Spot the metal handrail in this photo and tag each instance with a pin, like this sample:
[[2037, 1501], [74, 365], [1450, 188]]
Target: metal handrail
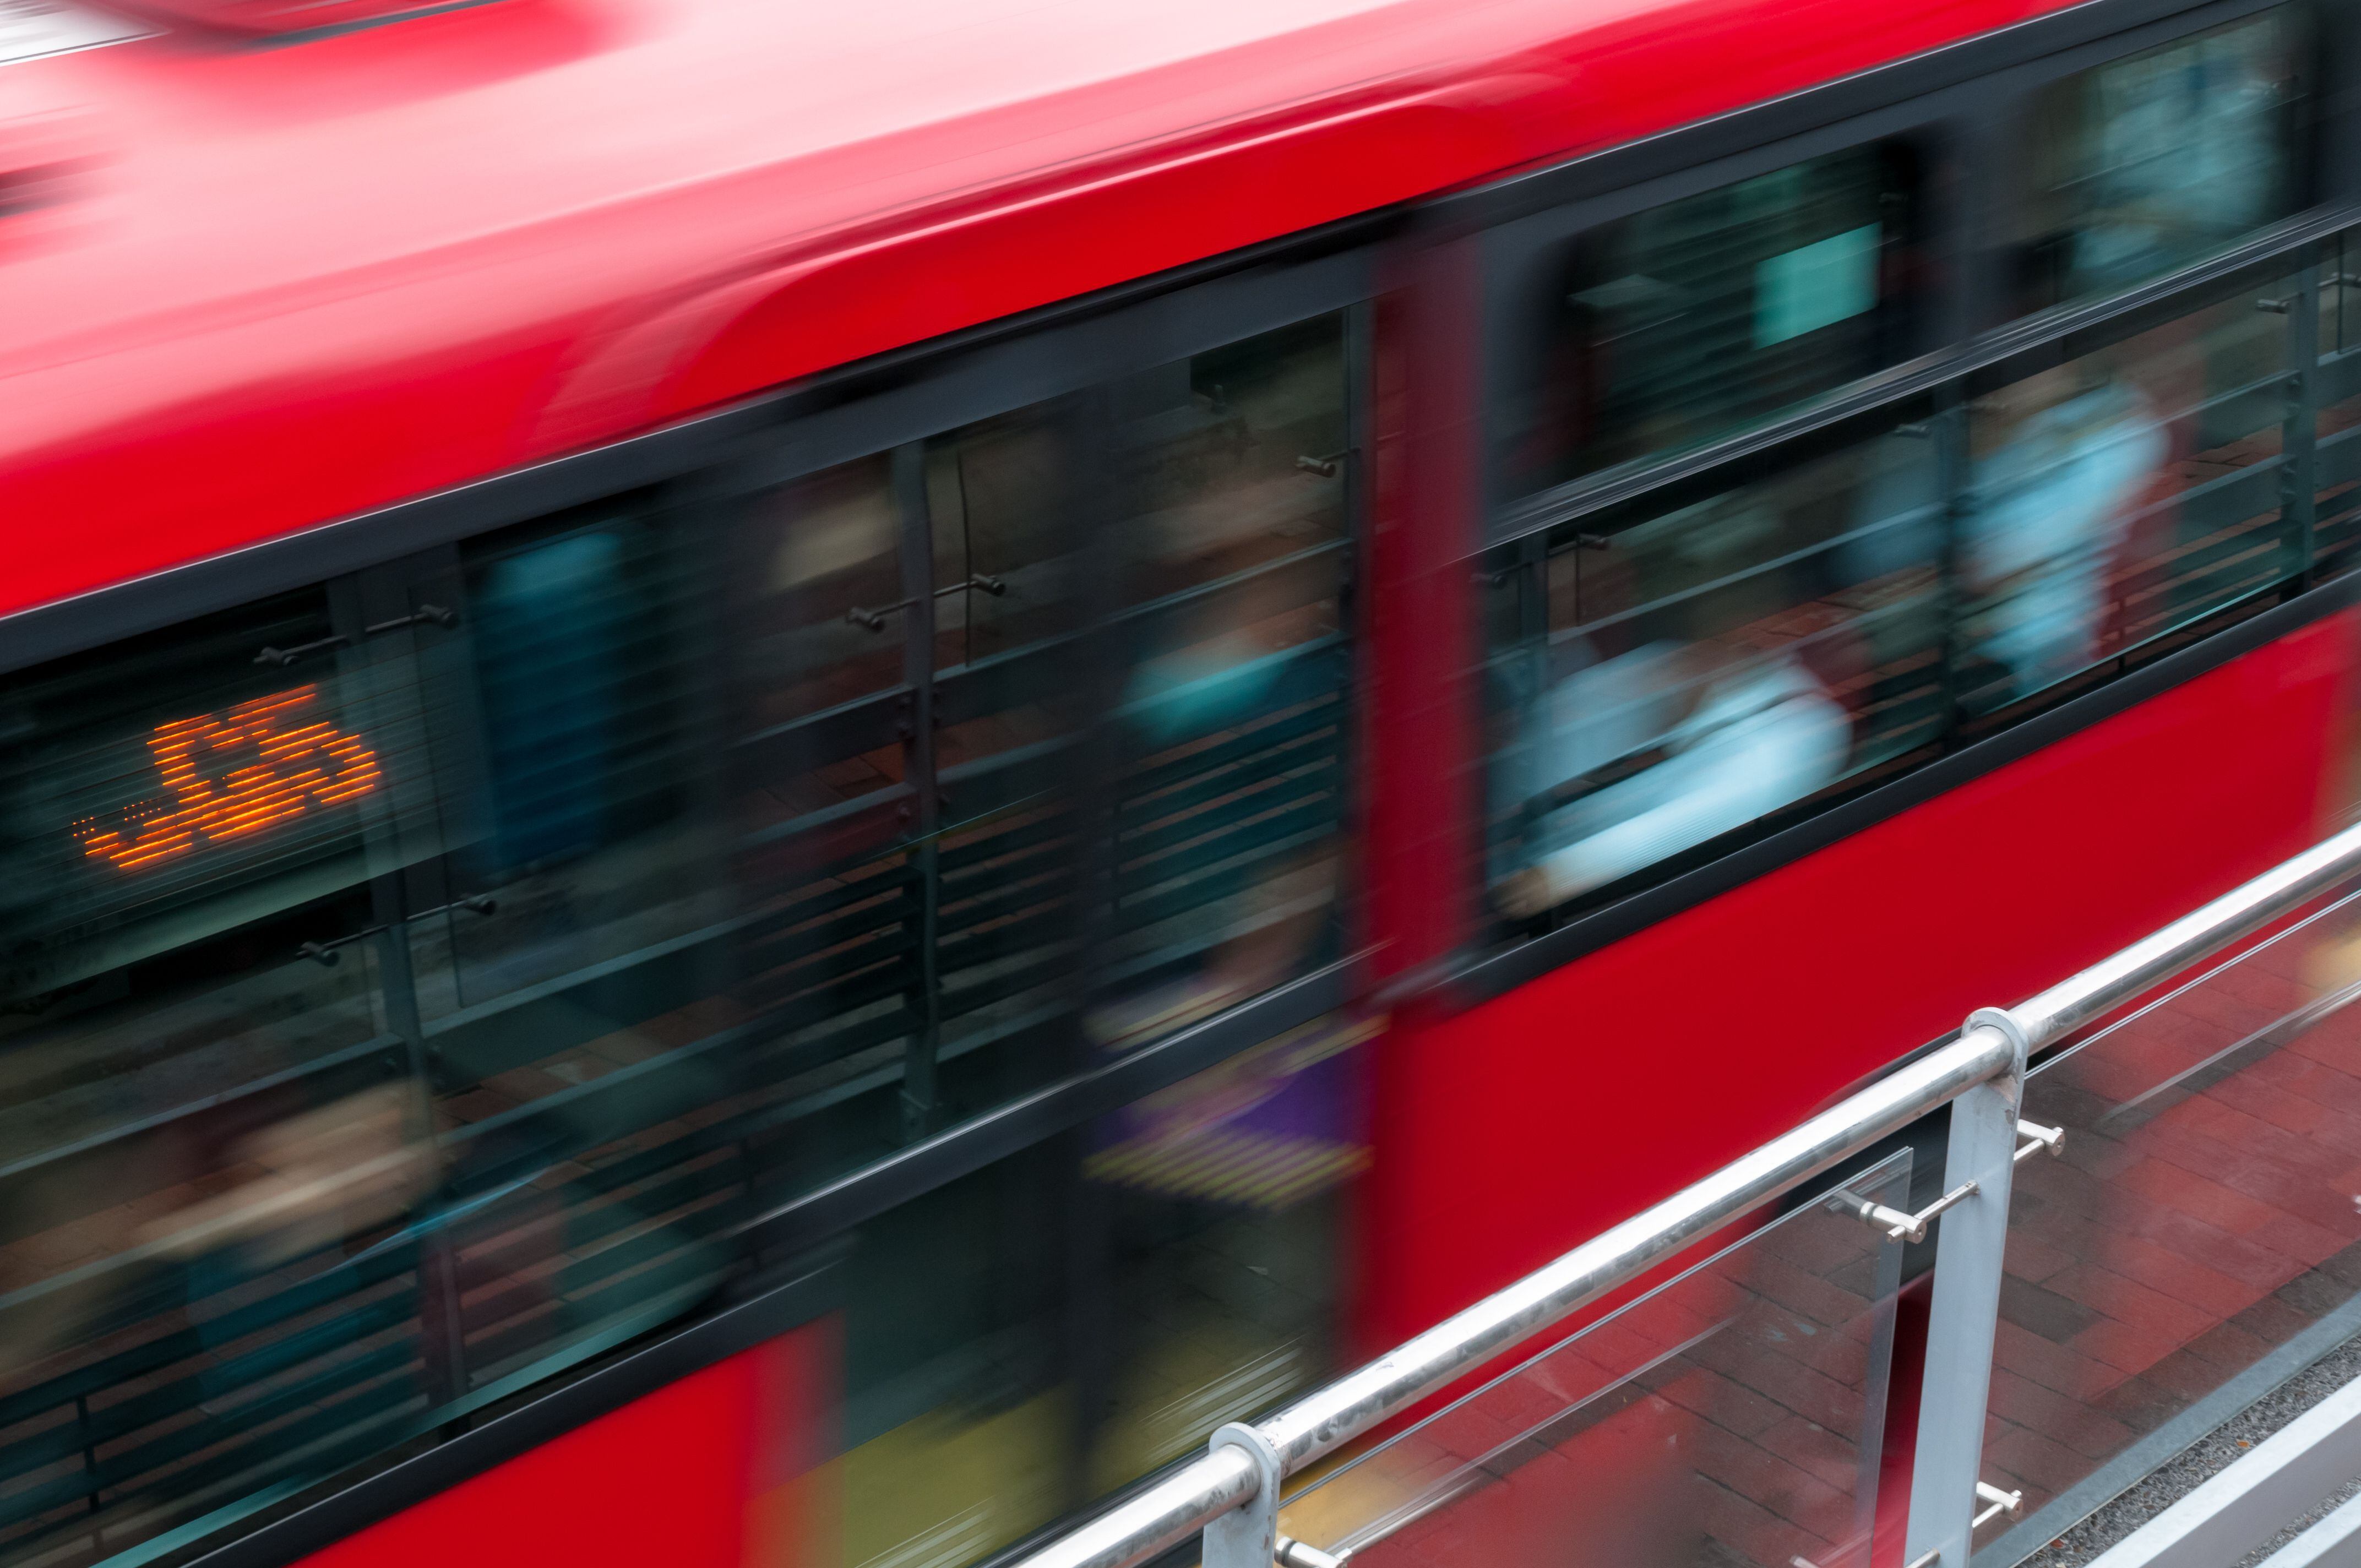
[[1991, 1046]]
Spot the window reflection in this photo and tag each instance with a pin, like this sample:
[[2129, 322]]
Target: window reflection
[[2152, 163]]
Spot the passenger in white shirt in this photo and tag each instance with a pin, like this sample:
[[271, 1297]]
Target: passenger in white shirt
[[1714, 739]]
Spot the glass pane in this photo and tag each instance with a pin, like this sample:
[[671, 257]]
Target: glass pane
[[1691, 320], [213, 1155], [1659, 677], [2336, 518], [554, 946], [579, 669], [2200, 1219], [818, 573], [2120, 494], [1734, 1414], [1228, 737], [1056, 1326], [1137, 680], [1013, 535], [1007, 534], [405, 1006], [2145, 164]]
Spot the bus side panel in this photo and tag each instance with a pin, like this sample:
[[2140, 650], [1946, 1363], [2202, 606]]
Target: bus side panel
[[723, 1469], [1517, 1129]]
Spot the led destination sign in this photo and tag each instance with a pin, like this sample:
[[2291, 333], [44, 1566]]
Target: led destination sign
[[229, 776]]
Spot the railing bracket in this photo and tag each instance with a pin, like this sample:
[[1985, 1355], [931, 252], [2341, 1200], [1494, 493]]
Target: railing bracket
[[1293, 1553], [2009, 1503], [1897, 1226], [2038, 1138]]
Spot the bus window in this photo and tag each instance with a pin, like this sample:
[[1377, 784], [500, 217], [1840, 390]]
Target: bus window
[[2119, 495], [581, 735], [1678, 667], [1686, 666], [1121, 612], [2131, 168], [212, 1150], [2337, 394], [1075, 1315], [1685, 322], [1229, 731]]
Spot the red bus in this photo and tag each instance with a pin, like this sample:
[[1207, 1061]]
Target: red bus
[[778, 785]]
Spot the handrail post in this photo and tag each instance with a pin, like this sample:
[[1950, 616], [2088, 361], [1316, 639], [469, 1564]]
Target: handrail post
[[1969, 1252], [1248, 1536]]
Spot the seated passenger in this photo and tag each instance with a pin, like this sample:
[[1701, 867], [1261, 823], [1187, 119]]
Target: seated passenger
[[1640, 757], [2045, 513]]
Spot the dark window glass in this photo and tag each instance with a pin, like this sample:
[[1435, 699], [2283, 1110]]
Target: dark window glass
[[1695, 319], [214, 1151], [1683, 667], [2337, 396], [563, 946], [408, 989], [1092, 1308], [2134, 168], [566, 740]]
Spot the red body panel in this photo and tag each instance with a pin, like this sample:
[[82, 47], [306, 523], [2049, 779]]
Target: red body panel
[[715, 1470], [1519, 1128], [306, 281]]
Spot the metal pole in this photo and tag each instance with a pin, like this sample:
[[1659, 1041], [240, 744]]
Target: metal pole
[[1968, 1249]]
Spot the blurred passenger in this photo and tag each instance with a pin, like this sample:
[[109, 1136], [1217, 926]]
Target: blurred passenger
[[1641, 756], [308, 1180], [2057, 475], [1262, 922], [1705, 717], [330, 1177]]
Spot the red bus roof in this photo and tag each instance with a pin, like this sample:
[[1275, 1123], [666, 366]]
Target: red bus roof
[[304, 280]]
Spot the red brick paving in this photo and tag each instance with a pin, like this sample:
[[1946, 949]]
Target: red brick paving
[[2198, 1236]]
